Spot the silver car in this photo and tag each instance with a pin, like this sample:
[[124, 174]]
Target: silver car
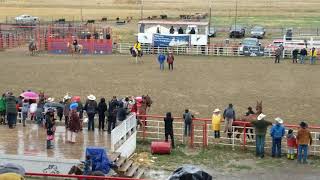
[[258, 32], [26, 19]]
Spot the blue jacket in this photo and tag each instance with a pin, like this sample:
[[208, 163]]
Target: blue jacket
[[161, 58], [277, 131]]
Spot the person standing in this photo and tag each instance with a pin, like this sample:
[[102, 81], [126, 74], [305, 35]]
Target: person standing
[[3, 109], [229, 116], [277, 55], [11, 110], [277, 132], [216, 123], [261, 126], [295, 53], [102, 108], [50, 126], [25, 110], [161, 59], [60, 111], [168, 128], [33, 110], [187, 117], [304, 138], [39, 112], [66, 110], [113, 111], [313, 56], [91, 109], [74, 123], [303, 55], [170, 60], [291, 144]]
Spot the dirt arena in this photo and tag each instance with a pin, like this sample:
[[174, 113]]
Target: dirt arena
[[291, 91]]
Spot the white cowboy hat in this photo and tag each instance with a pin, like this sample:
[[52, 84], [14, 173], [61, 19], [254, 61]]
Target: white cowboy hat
[[216, 110], [91, 97], [67, 97], [261, 116], [50, 99], [279, 120]]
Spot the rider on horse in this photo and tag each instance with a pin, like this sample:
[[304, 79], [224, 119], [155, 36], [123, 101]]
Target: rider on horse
[[137, 46], [75, 44]]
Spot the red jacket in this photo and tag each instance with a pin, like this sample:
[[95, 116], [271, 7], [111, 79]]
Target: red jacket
[[292, 142]]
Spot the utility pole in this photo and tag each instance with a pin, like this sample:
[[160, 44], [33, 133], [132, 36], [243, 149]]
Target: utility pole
[[141, 9], [210, 8], [236, 15]]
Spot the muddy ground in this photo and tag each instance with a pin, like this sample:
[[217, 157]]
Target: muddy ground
[[291, 91]]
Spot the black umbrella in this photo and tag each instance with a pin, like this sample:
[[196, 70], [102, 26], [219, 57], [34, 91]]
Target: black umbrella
[[189, 172], [53, 105]]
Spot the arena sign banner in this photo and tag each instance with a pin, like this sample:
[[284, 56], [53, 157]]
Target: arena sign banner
[[161, 40]]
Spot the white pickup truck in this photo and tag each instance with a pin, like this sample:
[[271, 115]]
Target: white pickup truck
[[26, 19]]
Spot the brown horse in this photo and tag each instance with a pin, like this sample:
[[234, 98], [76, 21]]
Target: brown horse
[[250, 118], [145, 105]]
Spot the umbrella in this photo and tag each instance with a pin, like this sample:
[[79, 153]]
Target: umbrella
[[190, 172], [30, 95], [76, 99], [12, 168], [53, 105]]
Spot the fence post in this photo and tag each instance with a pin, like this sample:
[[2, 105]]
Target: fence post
[[244, 135], [192, 135]]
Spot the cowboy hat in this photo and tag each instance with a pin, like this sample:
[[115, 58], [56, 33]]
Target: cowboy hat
[[216, 110], [279, 120], [261, 116], [91, 97], [50, 99], [67, 97]]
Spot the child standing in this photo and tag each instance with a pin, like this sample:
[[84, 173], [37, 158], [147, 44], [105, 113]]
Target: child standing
[[216, 121], [303, 139], [25, 110], [277, 132], [292, 144], [50, 125]]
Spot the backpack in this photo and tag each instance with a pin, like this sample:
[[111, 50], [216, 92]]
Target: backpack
[[188, 117], [229, 113]]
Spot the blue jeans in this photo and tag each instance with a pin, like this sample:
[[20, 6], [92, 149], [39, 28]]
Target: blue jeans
[[12, 119], [302, 58], [161, 66], [24, 117], [260, 140], [91, 122], [304, 148], [312, 60], [276, 147]]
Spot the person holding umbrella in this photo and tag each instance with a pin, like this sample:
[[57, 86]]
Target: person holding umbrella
[[74, 123]]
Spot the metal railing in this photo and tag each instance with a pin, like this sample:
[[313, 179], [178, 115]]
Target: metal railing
[[243, 134], [80, 177]]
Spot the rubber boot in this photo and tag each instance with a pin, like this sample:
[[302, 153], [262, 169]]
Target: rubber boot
[[292, 157], [288, 156]]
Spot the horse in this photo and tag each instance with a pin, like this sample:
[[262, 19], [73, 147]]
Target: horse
[[145, 106], [75, 50], [137, 54], [250, 118], [32, 48]]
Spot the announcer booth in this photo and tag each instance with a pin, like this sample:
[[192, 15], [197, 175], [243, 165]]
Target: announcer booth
[[173, 33]]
